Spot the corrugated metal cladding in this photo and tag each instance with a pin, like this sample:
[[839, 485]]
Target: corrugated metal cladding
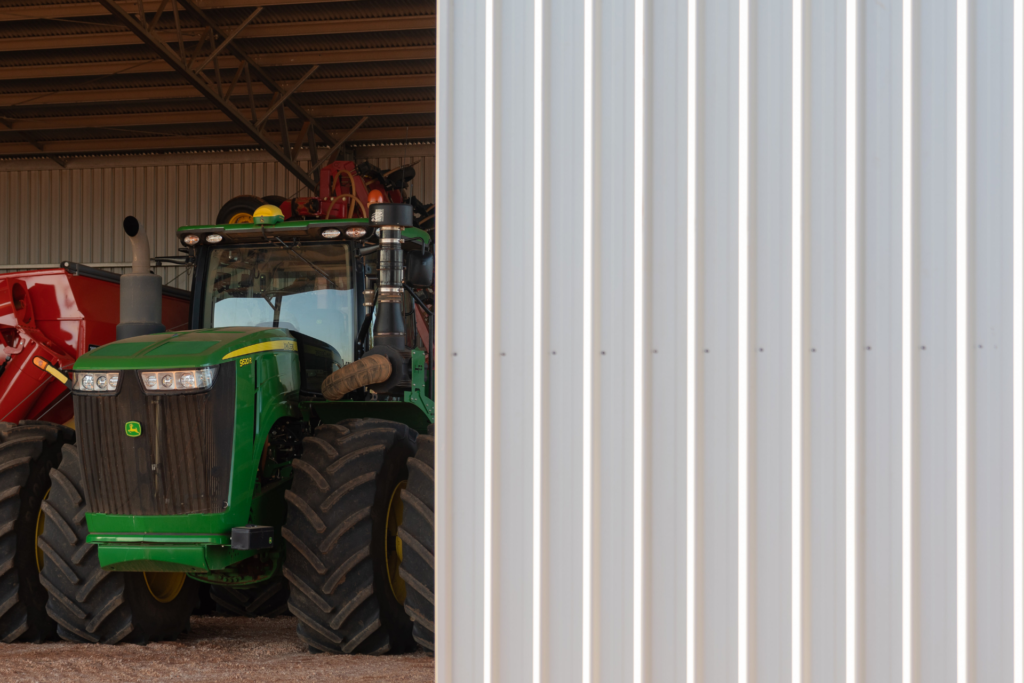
[[75, 214], [730, 364]]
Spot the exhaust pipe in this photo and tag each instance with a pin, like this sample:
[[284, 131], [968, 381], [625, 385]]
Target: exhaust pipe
[[389, 327], [383, 368], [141, 292]]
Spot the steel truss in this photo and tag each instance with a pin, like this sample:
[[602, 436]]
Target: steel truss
[[212, 43]]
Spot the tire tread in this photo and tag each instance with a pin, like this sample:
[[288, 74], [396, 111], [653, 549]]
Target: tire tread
[[336, 585], [417, 534]]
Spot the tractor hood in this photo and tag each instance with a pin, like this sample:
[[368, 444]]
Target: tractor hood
[[194, 348]]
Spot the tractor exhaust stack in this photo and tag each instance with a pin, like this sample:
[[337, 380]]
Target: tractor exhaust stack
[[389, 327], [141, 292]]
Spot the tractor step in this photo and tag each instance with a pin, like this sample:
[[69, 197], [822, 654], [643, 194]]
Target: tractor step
[[252, 537]]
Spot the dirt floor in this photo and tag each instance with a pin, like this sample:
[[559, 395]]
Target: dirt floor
[[216, 649]]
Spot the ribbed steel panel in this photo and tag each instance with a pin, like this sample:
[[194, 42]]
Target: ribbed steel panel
[[731, 341], [75, 214]]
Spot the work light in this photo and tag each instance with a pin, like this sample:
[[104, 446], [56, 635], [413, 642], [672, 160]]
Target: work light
[[98, 382], [178, 380]]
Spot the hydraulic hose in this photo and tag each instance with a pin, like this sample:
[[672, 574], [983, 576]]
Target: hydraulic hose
[[363, 372]]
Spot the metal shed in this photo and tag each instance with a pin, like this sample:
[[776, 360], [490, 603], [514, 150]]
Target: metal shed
[[731, 360], [733, 325], [94, 124]]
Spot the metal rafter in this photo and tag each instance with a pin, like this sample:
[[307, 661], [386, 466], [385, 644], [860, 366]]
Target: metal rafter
[[258, 73], [167, 92], [177, 118], [149, 143], [182, 63], [92, 9], [146, 64], [274, 30], [32, 141]]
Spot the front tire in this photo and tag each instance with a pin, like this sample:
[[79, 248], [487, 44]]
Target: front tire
[[89, 603], [341, 560], [27, 453]]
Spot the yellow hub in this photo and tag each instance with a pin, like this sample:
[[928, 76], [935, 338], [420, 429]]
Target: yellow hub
[[164, 586], [393, 544], [240, 218], [40, 525]]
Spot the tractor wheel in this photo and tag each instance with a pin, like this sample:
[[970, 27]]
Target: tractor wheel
[[27, 453], [239, 209], [342, 528], [89, 603], [417, 537], [266, 599]]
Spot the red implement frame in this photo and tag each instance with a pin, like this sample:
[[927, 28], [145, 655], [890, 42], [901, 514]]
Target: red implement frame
[[57, 316]]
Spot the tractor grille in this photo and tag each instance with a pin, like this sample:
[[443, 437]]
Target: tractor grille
[[180, 465]]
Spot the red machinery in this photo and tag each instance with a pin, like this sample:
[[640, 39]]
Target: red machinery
[[59, 314], [346, 191]]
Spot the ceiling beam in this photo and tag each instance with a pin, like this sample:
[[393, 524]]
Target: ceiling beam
[[138, 66], [382, 152], [95, 9], [268, 30], [138, 26], [145, 144], [189, 92], [171, 118]]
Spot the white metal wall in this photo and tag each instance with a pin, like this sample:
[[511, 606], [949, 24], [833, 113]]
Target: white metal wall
[[730, 366], [49, 215]]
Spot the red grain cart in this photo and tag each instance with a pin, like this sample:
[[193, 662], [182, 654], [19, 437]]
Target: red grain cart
[[58, 314]]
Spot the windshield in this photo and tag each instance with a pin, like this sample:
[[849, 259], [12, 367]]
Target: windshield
[[308, 289]]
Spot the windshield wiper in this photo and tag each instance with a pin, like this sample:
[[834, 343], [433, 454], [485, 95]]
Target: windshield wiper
[[308, 262]]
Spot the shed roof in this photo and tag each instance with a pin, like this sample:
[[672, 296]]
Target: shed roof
[[75, 81]]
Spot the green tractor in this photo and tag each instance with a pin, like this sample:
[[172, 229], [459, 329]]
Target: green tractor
[[279, 450]]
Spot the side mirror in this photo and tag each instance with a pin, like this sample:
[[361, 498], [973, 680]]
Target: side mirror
[[419, 268]]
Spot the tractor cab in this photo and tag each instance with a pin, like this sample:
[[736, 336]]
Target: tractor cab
[[321, 281], [293, 276]]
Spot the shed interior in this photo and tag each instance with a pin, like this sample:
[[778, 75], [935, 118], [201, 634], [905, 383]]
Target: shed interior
[[76, 81]]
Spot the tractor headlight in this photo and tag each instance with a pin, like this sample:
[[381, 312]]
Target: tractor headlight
[[178, 380], [97, 382], [191, 240]]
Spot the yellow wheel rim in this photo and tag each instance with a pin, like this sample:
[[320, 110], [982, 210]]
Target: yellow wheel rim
[[40, 525], [240, 218], [393, 544], [164, 586]]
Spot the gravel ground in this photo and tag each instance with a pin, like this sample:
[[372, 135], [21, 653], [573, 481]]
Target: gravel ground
[[216, 649]]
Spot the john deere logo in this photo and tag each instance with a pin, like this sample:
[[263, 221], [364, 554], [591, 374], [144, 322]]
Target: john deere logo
[[133, 429]]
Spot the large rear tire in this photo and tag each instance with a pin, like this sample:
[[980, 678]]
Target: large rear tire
[[27, 453], [89, 603], [417, 534], [342, 560]]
